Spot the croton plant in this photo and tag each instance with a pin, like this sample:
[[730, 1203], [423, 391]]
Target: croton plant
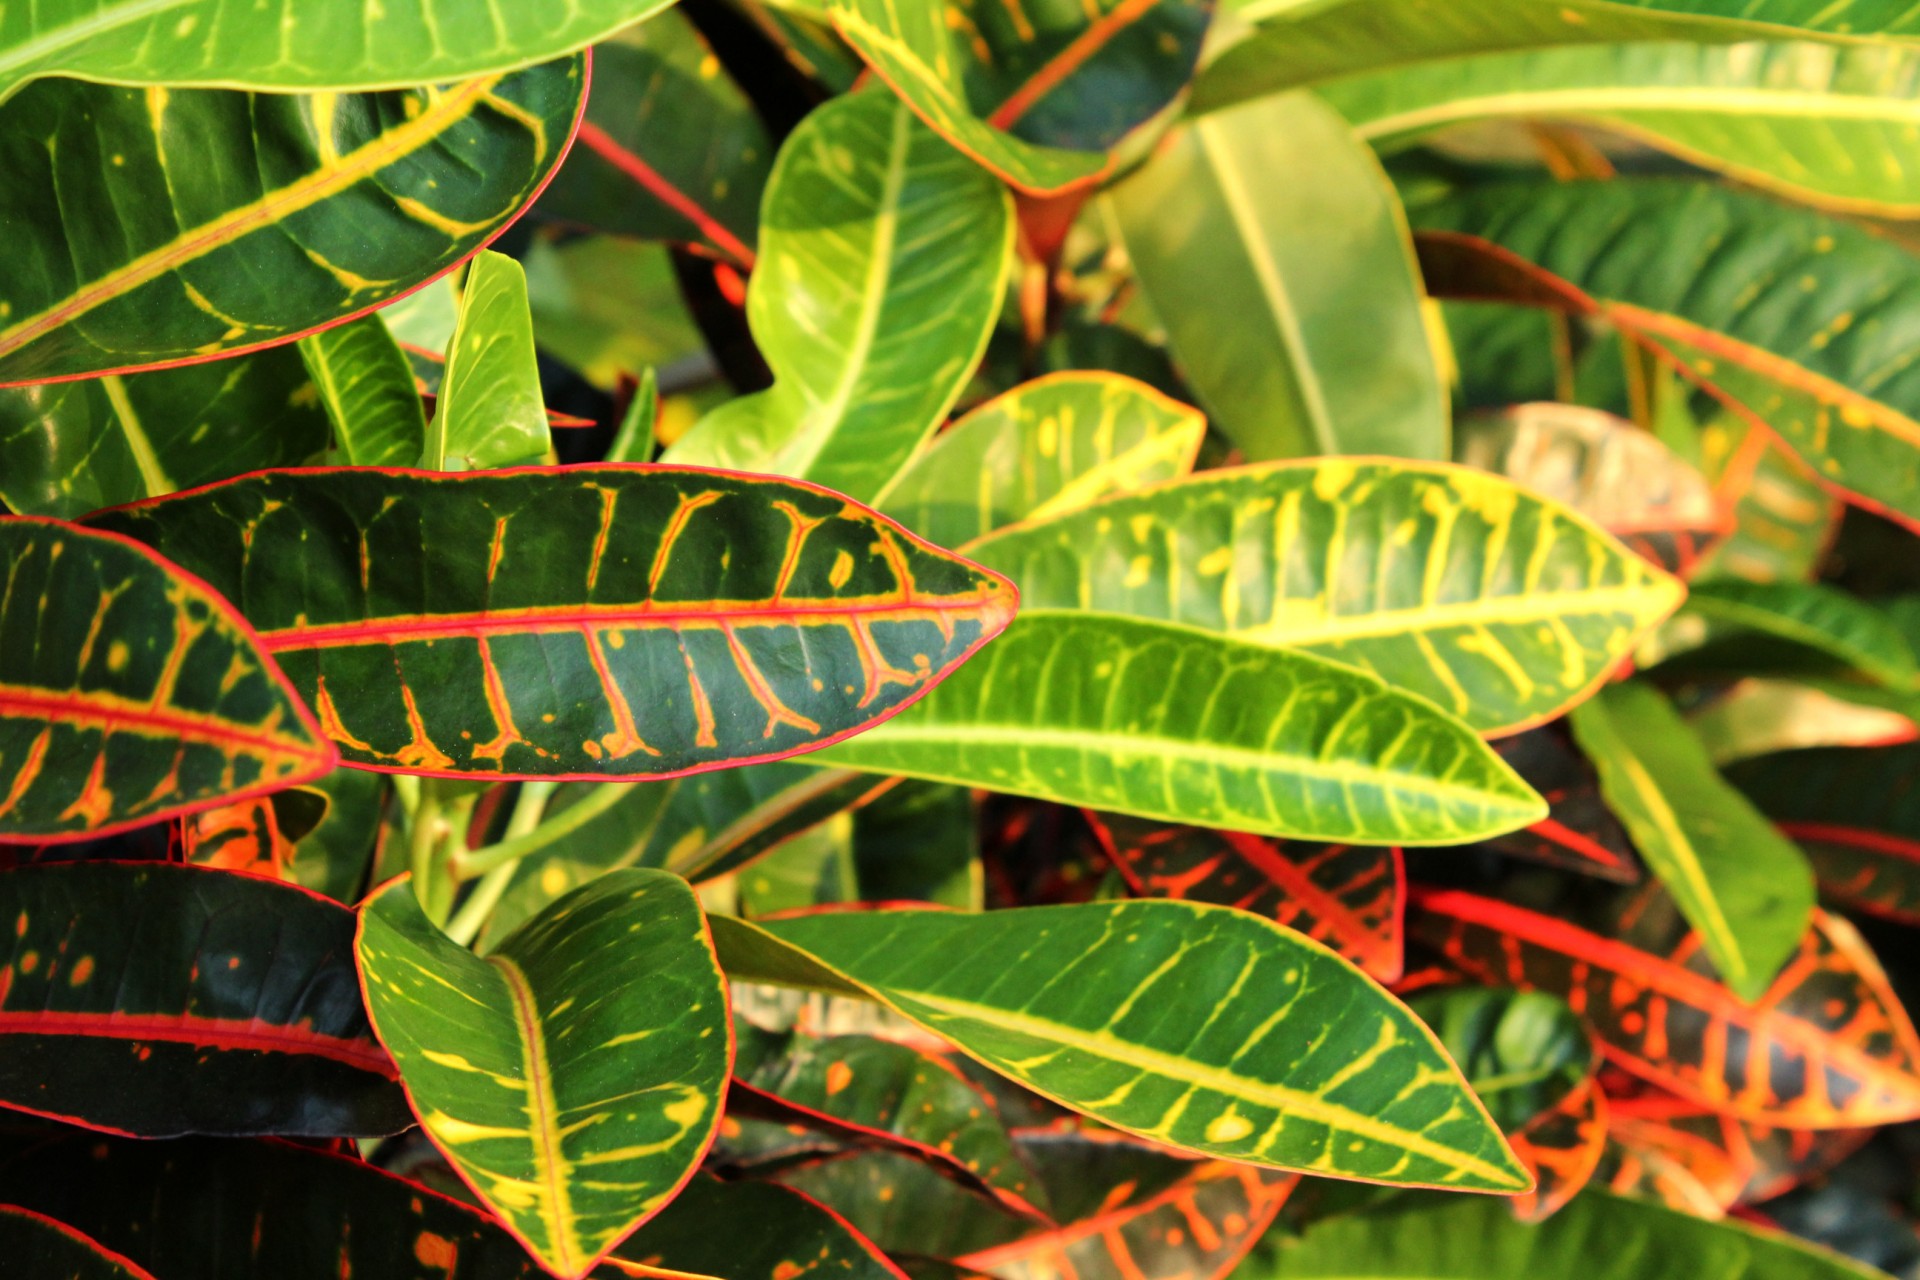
[[1124, 640]]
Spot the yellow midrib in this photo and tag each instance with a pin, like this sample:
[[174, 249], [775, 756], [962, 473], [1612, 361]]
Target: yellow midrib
[[543, 1110], [1665, 98], [1640, 600]]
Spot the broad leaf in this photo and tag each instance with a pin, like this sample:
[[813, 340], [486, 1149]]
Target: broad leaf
[[490, 412], [885, 256], [158, 1000], [751, 1231], [578, 1079], [612, 621], [1743, 886], [1808, 617], [367, 387], [1328, 352], [1275, 1051], [130, 692], [1167, 722], [1047, 447], [49, 1248], [919, 842], [1501, 607], [1828, 1045], [1349, 898], [227, 221], [73, 447], [1579, 833], [1035, 95]]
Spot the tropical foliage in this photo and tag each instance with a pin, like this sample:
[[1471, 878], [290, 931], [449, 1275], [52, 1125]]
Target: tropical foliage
[[1148, 639]]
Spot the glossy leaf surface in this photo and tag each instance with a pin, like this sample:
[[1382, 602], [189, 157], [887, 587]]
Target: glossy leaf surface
[[196, 251], [1813, 617], [130, 692], [1166, 722], [50, 1248], [367, 387], [1783, 520], [160, 1000], [490, 412], [878, 287], [1328, 352], [753, 1231], [1291, 1059], [1047, 447], [578, 1080], [1457, 586], [650, 612]]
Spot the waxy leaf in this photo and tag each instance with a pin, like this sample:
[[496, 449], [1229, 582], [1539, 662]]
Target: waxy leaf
[[610, 621], [753, 1231], [73, 447], [1579, 833], [1811, 617], [130, 691], [1827, 1045], [489, 411], [1328, 352], [336, 857], [1743, 886], [1035, 93], [157, 999], [884, 256], [1168, 722], [1047, 447], [49, 1248], [1783, 520], [1200, 1027], [227, 221], [1349, 898], [577, 1081], [1463, 588], [366, 384], [238, 837]]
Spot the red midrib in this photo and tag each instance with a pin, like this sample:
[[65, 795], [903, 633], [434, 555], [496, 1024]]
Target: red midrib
[[219, 1033]]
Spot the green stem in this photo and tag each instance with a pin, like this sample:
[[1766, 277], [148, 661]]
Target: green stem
[[423, 823], [518, 845], [467, 921], [454, 818]]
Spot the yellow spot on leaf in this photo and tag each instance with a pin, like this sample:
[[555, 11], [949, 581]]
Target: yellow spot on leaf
[[1228, 1127]]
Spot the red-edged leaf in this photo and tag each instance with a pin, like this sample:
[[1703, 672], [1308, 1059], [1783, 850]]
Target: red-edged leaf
[[1561, 1147], [1350, 897], [1826, 1046], [1649, 1174], [1720, 1172], [1579, 833], [1773, 1160], [36, 1245]]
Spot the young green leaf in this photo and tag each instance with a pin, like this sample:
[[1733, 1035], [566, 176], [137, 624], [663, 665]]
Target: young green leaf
[[367, 387], [633, 442], [490, 411], [1196, 1026], [44, 1247], [577, 1079]]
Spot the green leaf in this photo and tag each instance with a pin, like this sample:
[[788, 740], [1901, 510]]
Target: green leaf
[[1035, 95], [73, 447], [1274, 1050], [1783, 520], [919, 842], [49, 1248], [130, 692], [633, 442], [226, 221], [1048, 446], [1168, 722], [1522, 1051], [156, 1000], [1497, 605], [366, 384], [335, 857], [751, 1231], [1742, 885], [610, 308], [884, 257], [209, 42], [813, 869], [1596, 1237], [1813, 617], [588, 622], [490, 411], [577, 1080], [1753, 298], [1328, 351]]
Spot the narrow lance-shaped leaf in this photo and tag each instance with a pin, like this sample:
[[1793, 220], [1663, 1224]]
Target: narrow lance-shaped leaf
[[1499, 606], [490, 412], [367, 387], [1742, 885], [130, 691], [1166, 722], [578, 1080], [49, 1248], [1276, 1050], [1329, 351], [610, 621], [198, 253], [158, 1000], [879, 286]]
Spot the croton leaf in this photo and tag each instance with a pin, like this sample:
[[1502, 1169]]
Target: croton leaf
[[244, 836], [200, 249], [1774, 339], [1049, 446], [1745, 887], [1772, 1160], [1346, 897], [1620, 477], [1561, 1147], [1500, 606], [489, 411], [367, 387], [1783, 520], [619, 621], [336, 857], [1804, 618], [879, 286], [1579, 833], [49, 1248], [1707, 1162], [130, 691], [1167, 722], [753, 1231], [159, 999], [1826, 1045], [73, 447], [1036, 94], [578, 1080], [1329, 350], [1276, 1051]]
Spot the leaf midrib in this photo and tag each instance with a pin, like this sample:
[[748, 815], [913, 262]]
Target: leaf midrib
[[1798, 105], [543, 1114]]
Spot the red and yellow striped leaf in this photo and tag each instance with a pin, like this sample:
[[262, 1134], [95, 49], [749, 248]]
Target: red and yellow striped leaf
[[1561, 1147], [1350, 898], [238, 837], [1645, 1173], [1717, 1170], [131, 691], [1827, 1045], [590, 622], [1772, 1160]]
